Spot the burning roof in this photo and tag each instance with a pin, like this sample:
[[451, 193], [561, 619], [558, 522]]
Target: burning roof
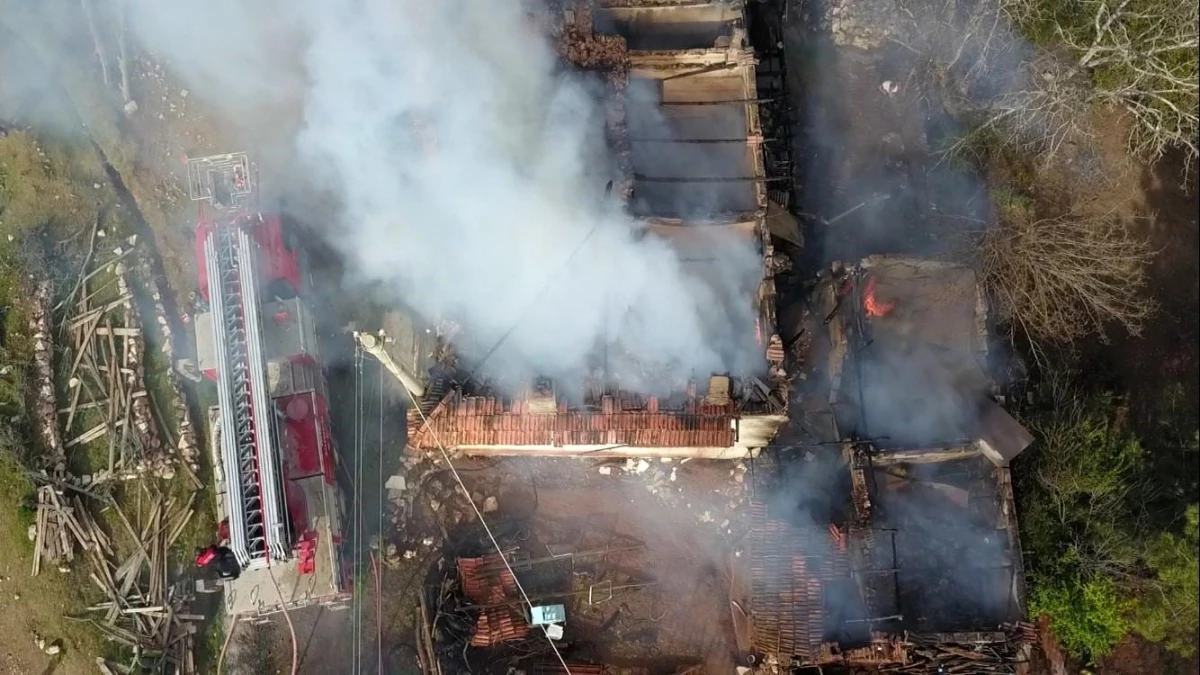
[[910, 359], [683, 124]]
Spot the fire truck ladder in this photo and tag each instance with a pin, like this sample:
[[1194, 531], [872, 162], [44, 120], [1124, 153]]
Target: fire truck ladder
[[253, 499]]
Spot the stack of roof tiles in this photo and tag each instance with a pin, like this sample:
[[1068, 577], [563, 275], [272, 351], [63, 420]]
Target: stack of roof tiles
[[487, 581], [788, 567], [488, 421]]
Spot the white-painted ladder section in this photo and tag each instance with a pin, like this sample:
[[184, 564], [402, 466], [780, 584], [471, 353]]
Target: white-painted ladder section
[[254, 496]]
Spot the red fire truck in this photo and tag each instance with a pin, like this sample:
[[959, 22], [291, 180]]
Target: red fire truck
[[273, 453]]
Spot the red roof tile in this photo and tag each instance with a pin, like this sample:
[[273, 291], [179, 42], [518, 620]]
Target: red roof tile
[[499, 624], [475, 420], [788, 568], [487, 581]]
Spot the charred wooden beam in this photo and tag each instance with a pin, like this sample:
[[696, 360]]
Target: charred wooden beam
[[709, 179]]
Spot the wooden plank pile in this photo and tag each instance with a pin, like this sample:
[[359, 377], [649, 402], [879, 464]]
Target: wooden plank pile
[[60, 525], [102, 355], [143, 611], [107, 375]]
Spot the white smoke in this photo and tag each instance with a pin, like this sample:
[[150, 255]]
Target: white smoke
[[469, 167]]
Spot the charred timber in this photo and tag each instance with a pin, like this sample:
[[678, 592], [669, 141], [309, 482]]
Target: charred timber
[[730, 101], [748, 140], [709, 179]]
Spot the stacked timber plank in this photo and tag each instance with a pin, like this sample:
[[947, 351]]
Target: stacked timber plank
[[107, 375], [60, 525], [135, 372]]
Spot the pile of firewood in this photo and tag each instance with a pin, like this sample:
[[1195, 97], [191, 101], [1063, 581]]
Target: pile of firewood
[[40, 324], [187, 444]]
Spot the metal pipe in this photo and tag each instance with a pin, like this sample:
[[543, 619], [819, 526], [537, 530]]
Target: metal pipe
[[374, 345]]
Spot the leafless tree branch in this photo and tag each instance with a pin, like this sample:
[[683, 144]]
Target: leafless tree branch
[[89, 13], [1060, 278], [1140, 55]]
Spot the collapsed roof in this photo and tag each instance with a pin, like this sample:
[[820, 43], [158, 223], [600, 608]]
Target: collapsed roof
[[909, 360]]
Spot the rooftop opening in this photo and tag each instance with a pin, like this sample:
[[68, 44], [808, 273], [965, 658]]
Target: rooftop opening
[[688, 135], [669, 27]]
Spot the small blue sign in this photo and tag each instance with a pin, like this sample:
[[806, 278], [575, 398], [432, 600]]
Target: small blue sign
[[548, 614]]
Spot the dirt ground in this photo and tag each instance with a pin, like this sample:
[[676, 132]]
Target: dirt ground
[[33, 607], [1135, 656], [1167, 351]]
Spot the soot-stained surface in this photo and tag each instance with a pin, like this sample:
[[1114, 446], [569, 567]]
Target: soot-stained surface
[[953, 569]]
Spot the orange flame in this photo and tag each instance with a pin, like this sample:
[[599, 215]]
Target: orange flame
[[874, 307]]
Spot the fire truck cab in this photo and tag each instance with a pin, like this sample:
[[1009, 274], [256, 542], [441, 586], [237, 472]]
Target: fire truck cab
[[273, 454]]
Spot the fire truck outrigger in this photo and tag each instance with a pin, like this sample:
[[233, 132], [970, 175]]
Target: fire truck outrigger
[[273, 454]]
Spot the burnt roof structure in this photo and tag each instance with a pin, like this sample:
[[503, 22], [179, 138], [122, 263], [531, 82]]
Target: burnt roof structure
[[909, 362], [804, 595], [681, 76], [928, 569]]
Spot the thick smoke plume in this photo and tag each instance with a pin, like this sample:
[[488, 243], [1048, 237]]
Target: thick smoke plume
[[470, 169]]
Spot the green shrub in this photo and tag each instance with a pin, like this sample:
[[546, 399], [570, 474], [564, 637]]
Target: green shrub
[[1087, 616], [1168, 608]]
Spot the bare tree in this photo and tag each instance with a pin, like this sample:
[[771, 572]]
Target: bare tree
[[1045, 114], [1061, 278], [1137, 54], [123, 52], [89, 13]]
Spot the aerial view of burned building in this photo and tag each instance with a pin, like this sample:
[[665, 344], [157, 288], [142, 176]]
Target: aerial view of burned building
[[924, 563]]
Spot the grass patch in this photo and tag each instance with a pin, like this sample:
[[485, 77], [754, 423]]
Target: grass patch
[[47, 183], [1013, 205], [17, 494]]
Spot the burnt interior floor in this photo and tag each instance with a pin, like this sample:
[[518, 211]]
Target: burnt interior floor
[[944, 560], [691, 157], [638, 558]]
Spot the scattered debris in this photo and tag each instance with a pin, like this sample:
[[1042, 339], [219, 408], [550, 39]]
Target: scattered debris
[[143, 611]]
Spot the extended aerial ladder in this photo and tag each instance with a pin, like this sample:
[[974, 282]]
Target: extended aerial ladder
[[254, 498]]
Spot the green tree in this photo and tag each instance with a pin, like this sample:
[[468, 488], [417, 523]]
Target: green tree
[[1088, 616], [1168, 609], [1077, 522]]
